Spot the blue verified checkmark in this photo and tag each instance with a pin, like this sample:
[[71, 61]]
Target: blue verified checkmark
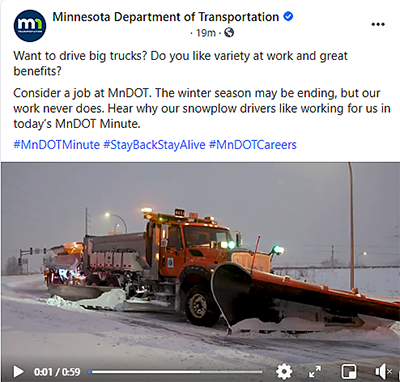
[[288, 16]]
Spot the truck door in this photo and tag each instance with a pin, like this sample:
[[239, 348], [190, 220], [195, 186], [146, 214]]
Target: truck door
[[172, 256]]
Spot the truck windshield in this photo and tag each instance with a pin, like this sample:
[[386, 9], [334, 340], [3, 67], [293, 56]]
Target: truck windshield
[[198, 236]]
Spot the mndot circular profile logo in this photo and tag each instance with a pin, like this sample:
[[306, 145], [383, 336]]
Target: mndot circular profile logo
[[29, 25]]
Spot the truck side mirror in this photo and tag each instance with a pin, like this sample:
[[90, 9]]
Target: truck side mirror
[[238, 239]]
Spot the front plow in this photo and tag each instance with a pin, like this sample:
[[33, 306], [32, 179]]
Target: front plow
[[242, 294], [77, 292]]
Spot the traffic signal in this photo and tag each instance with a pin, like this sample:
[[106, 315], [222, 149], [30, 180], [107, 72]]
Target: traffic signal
[[31, 251], [19, 261], [44, 250]]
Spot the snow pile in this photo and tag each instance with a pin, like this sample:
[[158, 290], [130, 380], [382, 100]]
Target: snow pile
[[379, 334], [136, 300], [61, 303], [113, 299], [289, 324], [160, 303], [110, 300], [396, 328], [318, 330]]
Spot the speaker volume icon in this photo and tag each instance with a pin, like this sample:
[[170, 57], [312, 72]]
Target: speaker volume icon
[[382, 371]]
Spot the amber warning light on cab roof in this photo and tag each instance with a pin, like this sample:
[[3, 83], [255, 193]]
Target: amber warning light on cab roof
[[179, 215]]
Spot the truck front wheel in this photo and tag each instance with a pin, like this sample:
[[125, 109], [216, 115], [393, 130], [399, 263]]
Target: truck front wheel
[[201, 309]]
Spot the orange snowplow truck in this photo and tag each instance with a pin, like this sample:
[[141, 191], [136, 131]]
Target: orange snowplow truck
[[194, 265], [172, 262]]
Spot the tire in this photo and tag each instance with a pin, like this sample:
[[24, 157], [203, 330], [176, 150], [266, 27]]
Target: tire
[[112, 281], [93, 280], [201, 309]]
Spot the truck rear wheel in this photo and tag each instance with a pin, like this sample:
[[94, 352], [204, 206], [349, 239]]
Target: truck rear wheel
[[112, 281], [93, 280], [201, 309]]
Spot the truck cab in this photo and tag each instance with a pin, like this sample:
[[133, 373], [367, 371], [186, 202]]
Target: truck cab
[[184, 251], [176, 241]]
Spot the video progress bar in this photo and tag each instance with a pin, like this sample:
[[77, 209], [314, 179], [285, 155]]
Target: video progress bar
[[175, 371]]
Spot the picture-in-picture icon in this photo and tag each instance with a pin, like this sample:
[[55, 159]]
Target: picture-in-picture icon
[[349, 371]]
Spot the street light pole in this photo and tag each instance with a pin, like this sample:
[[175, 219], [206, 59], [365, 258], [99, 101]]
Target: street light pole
[[351, 230], [115, 227], [86, 221], [119, 217]]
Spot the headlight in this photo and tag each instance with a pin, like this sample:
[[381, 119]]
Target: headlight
[[224, 244]]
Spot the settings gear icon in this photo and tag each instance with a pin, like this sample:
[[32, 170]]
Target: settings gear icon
[[284, 371]]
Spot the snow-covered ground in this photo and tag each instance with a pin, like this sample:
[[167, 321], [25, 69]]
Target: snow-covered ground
[[42, 332]]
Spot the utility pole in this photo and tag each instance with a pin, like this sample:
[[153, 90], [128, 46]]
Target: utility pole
[[20, 262], [87, 221], [351, 230], [333, 253]]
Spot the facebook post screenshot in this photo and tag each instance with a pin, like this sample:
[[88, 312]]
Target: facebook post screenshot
[[200, 191]]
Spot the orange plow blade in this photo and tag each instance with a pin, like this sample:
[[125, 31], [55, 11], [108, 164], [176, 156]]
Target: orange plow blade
[[242, 294]]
